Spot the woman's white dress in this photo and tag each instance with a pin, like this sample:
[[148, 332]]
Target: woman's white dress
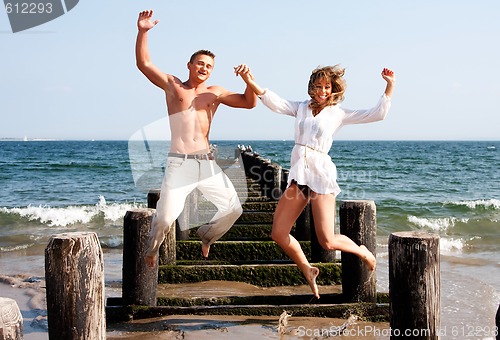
[[310, 163]]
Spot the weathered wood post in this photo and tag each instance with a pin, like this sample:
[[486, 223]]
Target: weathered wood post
[[254, 162], [248, 159], [74, 274], [264, 164], [275, 181], [414, 284], [11, 320], [139, 281], [284, 179], [303, 224], [358, 222], [252, 165], [153, 197]]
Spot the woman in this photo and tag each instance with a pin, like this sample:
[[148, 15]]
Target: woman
[[313, 175]]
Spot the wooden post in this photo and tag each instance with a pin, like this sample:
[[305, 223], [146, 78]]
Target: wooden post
[[246, 157], [139, 281], [358, 222], [303, 224], [264, 179], [11, 320], [153, 197], [251, 162], [414, 284], [276, 192], [74, 274], [284, 179]]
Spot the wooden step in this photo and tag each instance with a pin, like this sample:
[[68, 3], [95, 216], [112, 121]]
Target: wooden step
[[248, 217], [241, 232], [236, 251], [372, 312], [263, 275]]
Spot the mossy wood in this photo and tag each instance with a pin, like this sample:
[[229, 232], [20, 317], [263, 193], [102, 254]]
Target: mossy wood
[[371, 312], [264, 275], [236, 251]]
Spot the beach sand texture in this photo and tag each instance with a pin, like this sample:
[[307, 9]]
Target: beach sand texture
[[29, 294]]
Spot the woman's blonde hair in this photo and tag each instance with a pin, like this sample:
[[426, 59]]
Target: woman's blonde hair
[[334, 75]]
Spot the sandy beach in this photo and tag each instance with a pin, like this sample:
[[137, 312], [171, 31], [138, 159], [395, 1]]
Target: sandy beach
[[29, 293]]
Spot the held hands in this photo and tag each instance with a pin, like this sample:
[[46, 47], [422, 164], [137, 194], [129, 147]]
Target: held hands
[[243, 71], [144, 22]]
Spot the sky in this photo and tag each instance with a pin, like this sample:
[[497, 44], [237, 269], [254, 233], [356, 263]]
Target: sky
[[75, 77]]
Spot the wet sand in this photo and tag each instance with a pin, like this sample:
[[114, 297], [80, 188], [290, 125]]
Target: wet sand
[[29, 293], [234, 327]]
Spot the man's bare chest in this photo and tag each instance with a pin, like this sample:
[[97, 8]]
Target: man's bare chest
[[189, 99]]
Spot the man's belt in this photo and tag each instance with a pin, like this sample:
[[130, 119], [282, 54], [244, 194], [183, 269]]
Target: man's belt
[[202, 156]]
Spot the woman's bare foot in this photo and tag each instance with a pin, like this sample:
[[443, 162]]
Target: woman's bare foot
[[311, 279], [368, 257], [205, 249], [151, 261]]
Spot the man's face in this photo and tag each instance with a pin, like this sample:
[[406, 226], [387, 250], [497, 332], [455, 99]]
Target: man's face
[[201, 67]]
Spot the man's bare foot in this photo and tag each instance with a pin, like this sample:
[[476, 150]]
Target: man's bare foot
[[151, 261], [311, 279], [368, 257], [205, 249]]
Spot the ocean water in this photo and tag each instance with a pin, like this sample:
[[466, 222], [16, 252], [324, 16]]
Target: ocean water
[[448, 188]]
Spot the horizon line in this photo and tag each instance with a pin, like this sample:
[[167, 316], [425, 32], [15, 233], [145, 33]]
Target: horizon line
[[18, 139]]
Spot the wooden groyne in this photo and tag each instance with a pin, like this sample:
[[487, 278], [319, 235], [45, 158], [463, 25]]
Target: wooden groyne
[[247, 254]]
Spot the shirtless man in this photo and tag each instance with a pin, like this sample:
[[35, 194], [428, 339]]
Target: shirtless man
[[191, 106]]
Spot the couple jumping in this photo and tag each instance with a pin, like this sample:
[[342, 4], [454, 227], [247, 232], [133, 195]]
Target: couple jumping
[[191, 107]]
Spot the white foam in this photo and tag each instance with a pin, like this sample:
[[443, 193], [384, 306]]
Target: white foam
[[435, 224], [485, 203], [114, 211], [65, 216], [18, 247], [448, 245], [112, 241]]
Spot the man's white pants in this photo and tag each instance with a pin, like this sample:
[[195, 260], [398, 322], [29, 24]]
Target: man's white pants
[[182, 176]]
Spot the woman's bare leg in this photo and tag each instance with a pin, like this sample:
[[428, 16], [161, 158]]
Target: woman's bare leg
[[289, 207], [323, 208]]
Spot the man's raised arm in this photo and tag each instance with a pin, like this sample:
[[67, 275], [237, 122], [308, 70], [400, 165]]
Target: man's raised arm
[[143, 60], [248, 99]]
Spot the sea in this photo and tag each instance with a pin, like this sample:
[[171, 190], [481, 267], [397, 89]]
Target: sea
[[448, 188]]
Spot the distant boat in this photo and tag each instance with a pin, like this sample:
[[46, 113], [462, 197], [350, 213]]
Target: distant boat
[[25, 139]]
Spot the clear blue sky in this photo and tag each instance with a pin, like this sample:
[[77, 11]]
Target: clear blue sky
[[75, 77]]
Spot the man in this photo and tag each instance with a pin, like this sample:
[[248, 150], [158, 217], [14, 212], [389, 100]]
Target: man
[[191, 106]]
